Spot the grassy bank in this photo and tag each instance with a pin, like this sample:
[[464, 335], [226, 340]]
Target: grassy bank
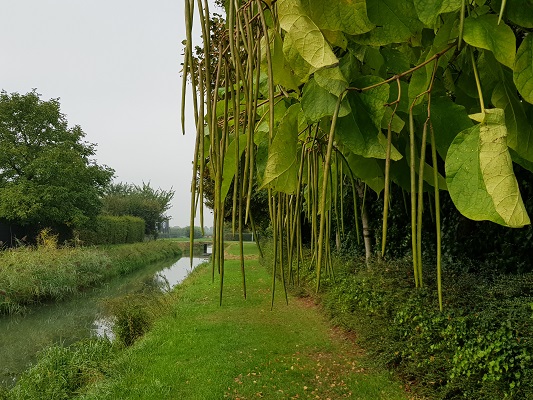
[[242, 350], [32, 275]]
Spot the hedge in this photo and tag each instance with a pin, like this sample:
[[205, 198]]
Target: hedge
[[113, 230]]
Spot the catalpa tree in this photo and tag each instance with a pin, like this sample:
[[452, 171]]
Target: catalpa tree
[[307, 98]]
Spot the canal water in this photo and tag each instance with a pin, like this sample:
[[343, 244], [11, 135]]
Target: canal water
[[82, 316]]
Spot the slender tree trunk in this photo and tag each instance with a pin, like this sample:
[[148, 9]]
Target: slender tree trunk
[[367, 234]]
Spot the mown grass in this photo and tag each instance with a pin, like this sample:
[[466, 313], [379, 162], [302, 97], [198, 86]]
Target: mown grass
[[31, 275], [242, 349]]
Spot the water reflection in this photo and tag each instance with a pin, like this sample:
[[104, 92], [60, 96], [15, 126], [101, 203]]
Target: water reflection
[[164, 280], [82, 316], [177, 272]]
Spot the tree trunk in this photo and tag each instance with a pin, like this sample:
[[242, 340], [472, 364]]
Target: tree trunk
[[367, 234]]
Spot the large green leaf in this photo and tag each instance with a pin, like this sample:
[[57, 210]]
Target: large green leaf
[[504, 95], [332, 80], [421, 78], [429, 10], [262, 127], [368, 170], [317, 102], [373, 100], [497, 169], [349, 66], [229, 164], [485, 32], [320, 94], [480, 173], [360, 131], [281, 172], [348, 16], [396, 61], [448, 119], [396, 22], [282, 73], [335, 38], [396, 122], [520, 132], [298, 65], [306, 37], [465, 180], [518, 11], [523, 69]]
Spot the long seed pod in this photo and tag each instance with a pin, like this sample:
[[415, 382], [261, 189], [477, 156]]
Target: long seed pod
[[296, 210], [341, 183], [325, 174], [234, 40], [187, 59], [275, 258], [269, 69], [437, 213], [478, 83], [356, 211], [256, 236], [281, 247], [206, 29], [413, 193], [386, 193], [421, 203], [197, 156], [241, 245], [314, 189]]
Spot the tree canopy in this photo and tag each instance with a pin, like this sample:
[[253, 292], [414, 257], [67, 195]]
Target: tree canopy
[[139, 201], [48, 176], [307, 97]]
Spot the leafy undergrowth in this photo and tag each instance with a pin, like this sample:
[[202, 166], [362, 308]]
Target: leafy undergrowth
[[242, 349]]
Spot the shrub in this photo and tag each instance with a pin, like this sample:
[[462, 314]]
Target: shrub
[[134, 314], [62, 372]]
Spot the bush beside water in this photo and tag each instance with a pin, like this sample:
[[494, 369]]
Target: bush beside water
[[32, 275], [134, 314], [64, 372]]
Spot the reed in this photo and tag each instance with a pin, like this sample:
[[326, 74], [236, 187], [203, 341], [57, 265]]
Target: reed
[[46, 273]]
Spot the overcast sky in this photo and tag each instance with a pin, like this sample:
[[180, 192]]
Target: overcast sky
[[115, 65]]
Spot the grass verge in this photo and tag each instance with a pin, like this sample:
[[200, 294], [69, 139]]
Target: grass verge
[[32, 275], [242, 350]]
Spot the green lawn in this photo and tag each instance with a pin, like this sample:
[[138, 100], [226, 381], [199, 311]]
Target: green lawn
[[243, 350]]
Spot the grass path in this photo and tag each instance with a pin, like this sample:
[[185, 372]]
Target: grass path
[[242, 350]]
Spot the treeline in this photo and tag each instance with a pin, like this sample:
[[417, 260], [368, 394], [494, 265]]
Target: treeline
[[49, 180], [184, 232]]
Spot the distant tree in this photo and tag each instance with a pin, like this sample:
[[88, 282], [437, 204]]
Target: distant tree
[[47, 175], [139, 201]]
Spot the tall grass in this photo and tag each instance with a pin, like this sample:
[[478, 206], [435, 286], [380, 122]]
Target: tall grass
[[63, 372], [33, 275]]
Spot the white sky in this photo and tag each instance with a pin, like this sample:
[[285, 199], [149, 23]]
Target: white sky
[[115, 65]]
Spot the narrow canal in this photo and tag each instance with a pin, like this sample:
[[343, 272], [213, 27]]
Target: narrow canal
[[82, 316]]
